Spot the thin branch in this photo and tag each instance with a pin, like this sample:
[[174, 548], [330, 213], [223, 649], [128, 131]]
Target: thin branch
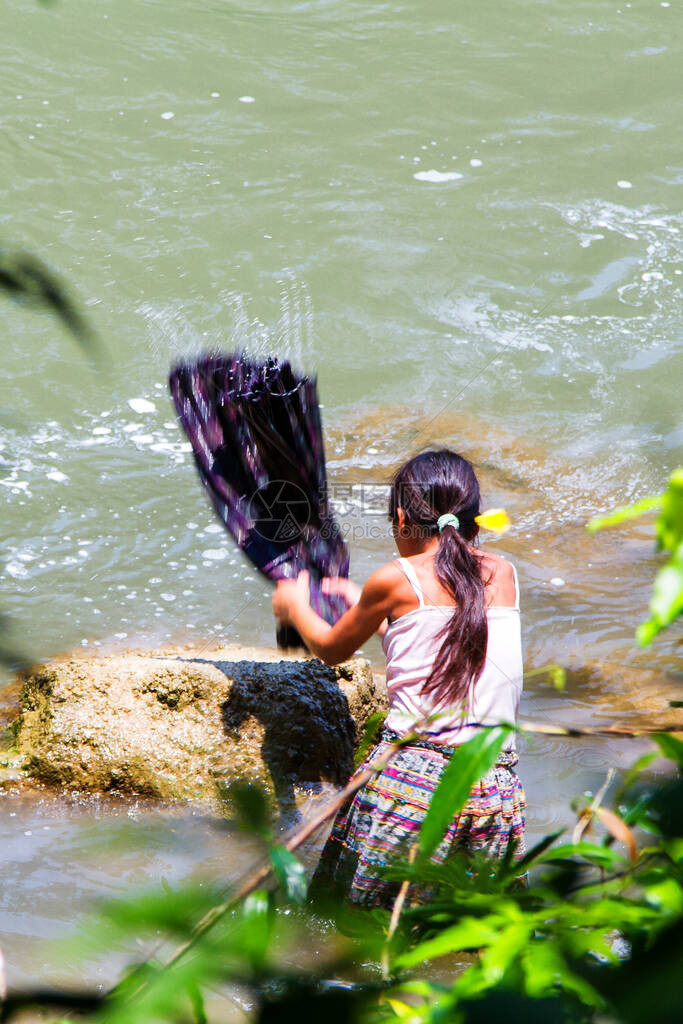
[[258, 877], [396, 912]]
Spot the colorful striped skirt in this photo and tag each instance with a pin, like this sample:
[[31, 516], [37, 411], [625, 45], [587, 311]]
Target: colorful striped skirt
[[382, 821]]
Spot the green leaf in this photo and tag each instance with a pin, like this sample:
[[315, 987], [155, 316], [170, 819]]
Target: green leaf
[[368, 738], [520, 866], [256, 930], [469, 933], [468, 764], [669, 524], [26, 279], [557, 675], [289, 872], [667, 593], [171, 912], [674, 849], [251, 808], [634, 771], [667, 896], [545, 968], [165, 994], [511, 940], [667, 599], [197, 1002], [626, 512], [670, 746], [601, 856]]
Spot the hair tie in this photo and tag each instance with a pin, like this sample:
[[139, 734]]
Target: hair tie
[[447, 519]]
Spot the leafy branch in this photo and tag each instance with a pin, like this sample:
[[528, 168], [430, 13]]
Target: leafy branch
[[666, 603]]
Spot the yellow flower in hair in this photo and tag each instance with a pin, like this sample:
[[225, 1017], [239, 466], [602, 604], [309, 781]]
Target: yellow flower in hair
[[494, 519]]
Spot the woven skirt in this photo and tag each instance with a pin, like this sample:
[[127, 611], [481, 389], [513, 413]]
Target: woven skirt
[[383, 819]]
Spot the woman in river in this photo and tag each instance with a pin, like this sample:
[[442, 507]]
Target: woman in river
[[449, 616]]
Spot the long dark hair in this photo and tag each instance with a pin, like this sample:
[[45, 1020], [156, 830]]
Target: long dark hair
[[426, 487]]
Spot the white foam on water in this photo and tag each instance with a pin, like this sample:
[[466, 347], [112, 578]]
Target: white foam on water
[[143, 438], [141, 405], [57, 476], [167, 597], [475, 163], [102, 430], [436, 177], [659, 246], [557, 581], [624, 184], [168, 447], [214, 554], [167, 115], [213, 528], [247, 99], [586, 239], [16, 570]]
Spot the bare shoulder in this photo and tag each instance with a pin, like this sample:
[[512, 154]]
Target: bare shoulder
[[383, 581], [495, 564], [499, 577]]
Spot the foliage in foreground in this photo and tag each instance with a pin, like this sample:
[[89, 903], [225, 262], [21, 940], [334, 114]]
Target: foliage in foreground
[[666, 603], [597, 935], [26, 280]]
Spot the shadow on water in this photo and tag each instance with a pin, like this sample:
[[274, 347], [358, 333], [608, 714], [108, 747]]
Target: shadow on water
[[308, 732]]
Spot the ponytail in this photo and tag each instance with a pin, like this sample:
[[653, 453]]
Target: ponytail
[[427, 487], [460, 660]]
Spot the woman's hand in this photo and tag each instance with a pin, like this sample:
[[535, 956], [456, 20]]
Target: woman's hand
[[346, 588], [333, 644], [291, 596]]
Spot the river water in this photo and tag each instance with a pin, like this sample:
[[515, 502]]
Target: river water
[[465, 219]]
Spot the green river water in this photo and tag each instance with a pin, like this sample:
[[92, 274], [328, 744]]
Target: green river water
[[464, 216]]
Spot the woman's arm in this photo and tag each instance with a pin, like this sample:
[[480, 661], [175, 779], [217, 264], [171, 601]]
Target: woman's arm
[[351, 592], [336, 643]]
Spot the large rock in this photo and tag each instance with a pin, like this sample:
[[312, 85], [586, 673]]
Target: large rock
[[179, 726]]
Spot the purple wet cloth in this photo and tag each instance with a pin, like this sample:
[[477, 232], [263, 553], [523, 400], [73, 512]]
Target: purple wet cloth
[[256, 434]]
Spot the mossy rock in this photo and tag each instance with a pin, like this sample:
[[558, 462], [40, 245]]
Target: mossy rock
[[182, 727]]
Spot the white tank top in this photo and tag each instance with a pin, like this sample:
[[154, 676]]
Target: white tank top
[[411, 644]]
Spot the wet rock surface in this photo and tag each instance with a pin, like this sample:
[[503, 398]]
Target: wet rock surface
[[184, 727]]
